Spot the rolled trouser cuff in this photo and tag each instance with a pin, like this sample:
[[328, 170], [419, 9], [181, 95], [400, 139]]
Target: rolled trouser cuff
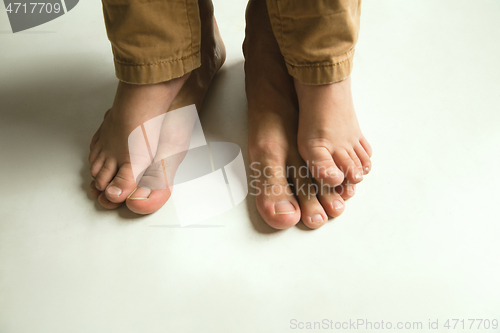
[[323, 73], [316, 38], [153, 41], [156, 72]]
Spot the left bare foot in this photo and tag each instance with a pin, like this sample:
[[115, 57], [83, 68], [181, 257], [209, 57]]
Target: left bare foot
[[273, 115], [329, 137]]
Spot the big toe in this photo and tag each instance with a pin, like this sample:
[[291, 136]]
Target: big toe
[[279, 210], [146, 201], [152, 192], [274, 197]]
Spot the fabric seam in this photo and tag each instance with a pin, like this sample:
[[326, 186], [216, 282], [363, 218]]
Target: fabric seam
[[157, 63], [326, 64]]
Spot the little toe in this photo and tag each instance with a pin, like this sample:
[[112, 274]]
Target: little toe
[[105, 175], [321, 164], [366, 146], [351, 168], [122, 185], [332, 201], [364, 158]]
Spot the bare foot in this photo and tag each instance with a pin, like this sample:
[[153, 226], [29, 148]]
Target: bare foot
[[191, 90], [109, 151], [329, 137], [273, 111]]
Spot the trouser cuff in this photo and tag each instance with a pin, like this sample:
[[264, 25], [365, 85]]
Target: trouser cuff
[[323, 73], [156, 72]]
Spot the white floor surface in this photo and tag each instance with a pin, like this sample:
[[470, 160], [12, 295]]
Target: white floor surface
[[420, 241]]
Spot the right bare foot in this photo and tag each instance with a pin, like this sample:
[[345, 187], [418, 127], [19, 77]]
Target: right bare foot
[[136, 104], [273, 112]]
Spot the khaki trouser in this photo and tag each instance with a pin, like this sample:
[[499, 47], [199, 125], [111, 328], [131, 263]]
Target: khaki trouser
[[158, 40]]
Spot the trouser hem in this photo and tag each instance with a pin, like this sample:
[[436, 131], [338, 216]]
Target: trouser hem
[[323, 73], [156, 72]]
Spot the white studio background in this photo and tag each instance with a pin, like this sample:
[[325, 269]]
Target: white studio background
[[419, 241]]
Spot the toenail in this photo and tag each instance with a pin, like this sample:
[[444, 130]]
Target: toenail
[[140, 193], [113, 190], [367, 169], [284, 207], [351, 189], [337, 204], [317, 218], [359, 176]]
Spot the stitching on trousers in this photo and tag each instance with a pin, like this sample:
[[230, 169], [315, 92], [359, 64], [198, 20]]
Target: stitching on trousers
[[157, 63], [327, 65], [320, 65]]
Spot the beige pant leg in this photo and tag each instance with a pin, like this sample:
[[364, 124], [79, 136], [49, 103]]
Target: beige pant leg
[[316, 37], [153, 41]]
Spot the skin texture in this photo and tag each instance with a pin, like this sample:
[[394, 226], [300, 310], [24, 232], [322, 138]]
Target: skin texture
[[113, 182], [294, 126], [305, 145]]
